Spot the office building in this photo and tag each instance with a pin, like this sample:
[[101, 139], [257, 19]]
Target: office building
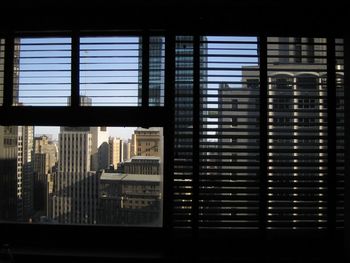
[[147, 142], [142, 165], [75, 185], [116, 151], [99, 157], [16, 172], [44, 167], [129, 199]]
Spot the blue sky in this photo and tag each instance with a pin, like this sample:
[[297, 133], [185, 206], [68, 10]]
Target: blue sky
[[109, 66]]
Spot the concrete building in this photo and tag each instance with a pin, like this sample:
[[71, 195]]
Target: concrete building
[[297, 127], [127, 150], [147, 142], [75, 185], [99, 157], [44, 167], [142, 165], [116, 151], [129, 199], [16, 182]]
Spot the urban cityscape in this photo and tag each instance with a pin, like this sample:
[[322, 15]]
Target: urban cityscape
[[90, 177], [86, 177]]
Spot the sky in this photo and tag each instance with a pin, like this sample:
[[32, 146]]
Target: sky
[[119, 132], [109, 69]]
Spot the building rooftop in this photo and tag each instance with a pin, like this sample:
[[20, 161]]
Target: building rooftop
[[130, 177], [138, 158]]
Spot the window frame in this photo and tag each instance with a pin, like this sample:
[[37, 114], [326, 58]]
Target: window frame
[[130, 116]]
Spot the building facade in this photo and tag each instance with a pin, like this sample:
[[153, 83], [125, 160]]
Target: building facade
[[75, 185], [129, 199], [44, 168], [116, 151]]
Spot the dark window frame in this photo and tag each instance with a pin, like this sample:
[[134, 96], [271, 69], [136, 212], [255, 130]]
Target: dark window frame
[[131, 116]]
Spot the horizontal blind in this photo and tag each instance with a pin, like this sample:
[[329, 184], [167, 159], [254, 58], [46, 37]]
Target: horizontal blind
[[297, 133], [183, 159], [340, 136], [2, 64], [42, 71], [110, 70], [229, 133]]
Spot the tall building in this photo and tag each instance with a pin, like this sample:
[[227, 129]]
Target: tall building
[[127, 150], [10, 183], [99, 135], [75, 185], [44, 167], [147, 142], [297, 126], [116, 151], [16, 144], [156, 71]]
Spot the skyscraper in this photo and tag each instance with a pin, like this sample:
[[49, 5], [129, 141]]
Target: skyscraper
[[44, 167], [16, 144], [99, 135], [296, 128], [116, 151], [75, 185]]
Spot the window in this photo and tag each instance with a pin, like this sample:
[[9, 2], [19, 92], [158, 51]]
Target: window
[[248, 131]]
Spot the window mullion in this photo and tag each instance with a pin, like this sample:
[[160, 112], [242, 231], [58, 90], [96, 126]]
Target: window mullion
[[9, 71], [196, 129], [75, 70], [263, 130]]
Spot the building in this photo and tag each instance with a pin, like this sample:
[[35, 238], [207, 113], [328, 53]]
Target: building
[[44, 167], [127, 150], [116, 151], [297, 118], [16, 143], [142, 165], [129, 199], [99, 157], [75, 185], [147, 142]]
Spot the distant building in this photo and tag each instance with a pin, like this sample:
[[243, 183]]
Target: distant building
[[127, 150], [75, 185], [146, 142], [44, 166], [129, 199], [16, 180], [142, 165], [116, 151], [99, 136]]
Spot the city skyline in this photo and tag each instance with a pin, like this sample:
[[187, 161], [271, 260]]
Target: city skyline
[[123, 133]]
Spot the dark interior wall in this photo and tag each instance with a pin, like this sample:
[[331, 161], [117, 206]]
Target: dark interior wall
[[250, 16]]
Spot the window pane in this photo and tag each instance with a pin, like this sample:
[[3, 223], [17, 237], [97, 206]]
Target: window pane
[[229, 133], [110, 70], [297, 133], [42, 75], [81, 175], [183, 160]]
